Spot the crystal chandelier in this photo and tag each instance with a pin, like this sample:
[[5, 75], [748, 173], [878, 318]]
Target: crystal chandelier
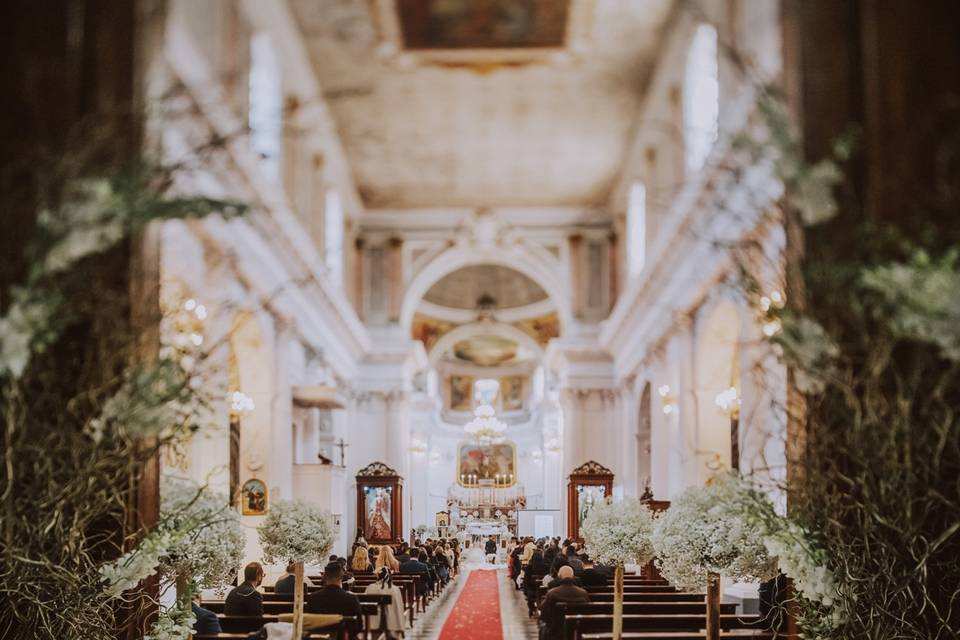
[[485, 428]]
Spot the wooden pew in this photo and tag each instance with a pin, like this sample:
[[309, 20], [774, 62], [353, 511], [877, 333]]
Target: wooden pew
[[575, 626], [370, 604], [733, 634], [634, 607], [251, 624]]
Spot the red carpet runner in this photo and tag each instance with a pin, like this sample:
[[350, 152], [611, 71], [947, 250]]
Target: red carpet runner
[[476, 614]]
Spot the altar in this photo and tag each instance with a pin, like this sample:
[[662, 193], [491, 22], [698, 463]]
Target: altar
[[485, 507]]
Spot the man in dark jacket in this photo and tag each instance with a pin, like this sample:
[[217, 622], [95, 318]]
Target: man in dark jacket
[[562, 590], [207, 621], [413, 565], [245, 600], [490, 549], [403, 554], [591, 576], [332, 598]]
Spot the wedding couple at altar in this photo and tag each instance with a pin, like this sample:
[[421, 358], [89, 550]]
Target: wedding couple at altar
[[478, 555]]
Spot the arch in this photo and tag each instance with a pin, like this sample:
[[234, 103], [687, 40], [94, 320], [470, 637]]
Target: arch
[[717, 369], [473, 329], [534, 263]]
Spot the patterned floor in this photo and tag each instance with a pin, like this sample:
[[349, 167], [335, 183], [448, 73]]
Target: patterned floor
[[513, 612]]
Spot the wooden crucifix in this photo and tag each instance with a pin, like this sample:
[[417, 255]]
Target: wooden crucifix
[[340, 444]]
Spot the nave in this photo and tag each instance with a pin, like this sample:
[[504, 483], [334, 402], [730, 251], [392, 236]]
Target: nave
[[675, 280]]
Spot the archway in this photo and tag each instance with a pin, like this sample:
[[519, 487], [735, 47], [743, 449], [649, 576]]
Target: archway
[[718, 374], [535, 264]]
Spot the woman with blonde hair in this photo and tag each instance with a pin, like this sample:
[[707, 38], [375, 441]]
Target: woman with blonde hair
[[361, 561], [386, 559]]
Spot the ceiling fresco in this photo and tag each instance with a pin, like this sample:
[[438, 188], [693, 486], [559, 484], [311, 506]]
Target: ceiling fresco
[[482, 24]]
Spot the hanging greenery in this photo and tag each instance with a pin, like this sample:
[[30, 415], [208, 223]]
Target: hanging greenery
[[80, 422]]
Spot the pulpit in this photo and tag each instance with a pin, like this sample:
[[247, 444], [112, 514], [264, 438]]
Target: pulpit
[[589, 484], [380, 504]]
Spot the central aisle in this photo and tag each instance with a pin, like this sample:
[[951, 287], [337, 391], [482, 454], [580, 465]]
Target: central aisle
[[476, 614]]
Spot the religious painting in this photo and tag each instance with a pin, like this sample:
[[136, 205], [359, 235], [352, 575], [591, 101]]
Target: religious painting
[[482, 24], [590, 496], [461, 393], [486, 350], [379, 502], [487, 462], [253, 497], [511, 391], [542, 328], [443, 519], [429, 330]]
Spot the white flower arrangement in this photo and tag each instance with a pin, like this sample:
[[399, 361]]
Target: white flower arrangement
[[804, 562], [619, 533], [212, 549], [296, 531], [175, 623], [708, 530], [128, 570]]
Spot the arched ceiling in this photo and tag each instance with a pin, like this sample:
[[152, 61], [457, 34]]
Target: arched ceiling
[[505, 287], [476, 128]]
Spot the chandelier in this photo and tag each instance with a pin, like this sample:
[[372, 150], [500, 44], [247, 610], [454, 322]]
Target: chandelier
[[485, 428]]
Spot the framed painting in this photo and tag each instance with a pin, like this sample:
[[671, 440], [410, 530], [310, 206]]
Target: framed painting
[[379, 504], [589, 484], [461, 393], [511, 391], [253, 497], [487, 462]]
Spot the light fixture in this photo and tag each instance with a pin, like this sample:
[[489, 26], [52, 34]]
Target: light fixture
[[669, 401], [485, 428], [240, 404], [728, 401], [772, 327], [418, 445]]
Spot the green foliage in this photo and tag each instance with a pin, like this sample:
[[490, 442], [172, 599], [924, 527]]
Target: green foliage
[[80, 424]]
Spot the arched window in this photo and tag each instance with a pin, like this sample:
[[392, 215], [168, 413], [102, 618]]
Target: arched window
[[333, 237], [636, 228], [701, 97], [264, 116]]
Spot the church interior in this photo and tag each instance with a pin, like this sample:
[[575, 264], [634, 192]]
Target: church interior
[[667, 287]]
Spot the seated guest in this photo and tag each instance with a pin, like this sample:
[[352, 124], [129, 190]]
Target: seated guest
[[332, 598], [413, 565], [285, 582], [564, 590], [386, 559], [403, 553], [245, 600], [573, 559], [424, 557], [535, 571], [441, 565], [347, 576], [558, 562], [207, 621], [550, 553], [592, 576], [361, 561]]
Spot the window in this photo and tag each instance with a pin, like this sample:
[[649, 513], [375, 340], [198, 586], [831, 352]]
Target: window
[[636, 228], [266, 103], [701, 97], [333, 237]]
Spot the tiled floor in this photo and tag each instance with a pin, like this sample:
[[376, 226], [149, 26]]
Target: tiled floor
[[513, 612]]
